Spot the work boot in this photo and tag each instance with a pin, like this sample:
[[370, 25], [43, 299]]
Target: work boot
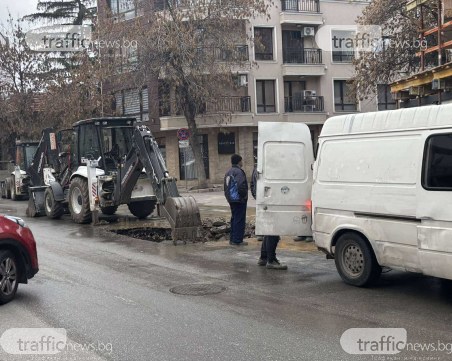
[[276, 265], [262, 262], [303, 239], [243, 243]]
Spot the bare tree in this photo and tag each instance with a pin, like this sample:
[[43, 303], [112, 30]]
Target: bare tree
[[396, 54], [196, 47], [75, 12], [23, 74]]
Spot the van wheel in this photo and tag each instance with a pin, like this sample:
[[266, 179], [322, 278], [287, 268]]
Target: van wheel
[[109, 211], [9, 276], [79, 201], [53, 208], [141, 209], [356, 261]]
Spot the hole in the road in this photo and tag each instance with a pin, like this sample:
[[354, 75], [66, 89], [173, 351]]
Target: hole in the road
[[197, 289], [148, 233], [210, 230]]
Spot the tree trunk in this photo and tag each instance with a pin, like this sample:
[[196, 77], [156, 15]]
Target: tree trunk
[[190, 117]]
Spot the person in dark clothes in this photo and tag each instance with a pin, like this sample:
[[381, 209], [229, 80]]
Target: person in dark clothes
[[269, 244], [236, 193], [253, 187]]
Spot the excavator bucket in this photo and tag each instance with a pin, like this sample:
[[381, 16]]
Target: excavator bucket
[[183, 216]]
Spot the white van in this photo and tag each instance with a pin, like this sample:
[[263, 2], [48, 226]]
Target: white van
[[283, 198], [382, 192]]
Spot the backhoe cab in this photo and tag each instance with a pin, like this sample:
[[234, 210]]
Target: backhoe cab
[[15, 185], [103, 163]]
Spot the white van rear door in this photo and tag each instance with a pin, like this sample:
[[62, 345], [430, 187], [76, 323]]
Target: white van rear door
[[283, 196]]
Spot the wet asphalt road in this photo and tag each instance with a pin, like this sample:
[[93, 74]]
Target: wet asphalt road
[[113, 291]]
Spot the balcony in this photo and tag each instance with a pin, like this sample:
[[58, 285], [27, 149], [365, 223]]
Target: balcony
[[301, 12], [302, 56], [229, 104], [226, 104], [305, 104], [238, 54], [307, 62], [310, 6]]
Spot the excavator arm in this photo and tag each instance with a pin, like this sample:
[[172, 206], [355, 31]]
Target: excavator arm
[[181, 212]]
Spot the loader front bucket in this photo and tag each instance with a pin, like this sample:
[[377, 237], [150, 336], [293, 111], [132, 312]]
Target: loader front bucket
[[36, 201], [183, 216]]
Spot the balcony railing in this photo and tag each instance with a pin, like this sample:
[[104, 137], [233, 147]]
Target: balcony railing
[[232, 104], [238, 53], [304, 104], [312, 6], [227, 104], [302, 56]]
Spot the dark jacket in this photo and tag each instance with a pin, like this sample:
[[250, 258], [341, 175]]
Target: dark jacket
[[242, 183], [253, 184]]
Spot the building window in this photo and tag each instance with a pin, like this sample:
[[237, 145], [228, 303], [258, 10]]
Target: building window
[[187, 168], [343, 46], [226, 143], [265, 96], [344, 98], [263, 43], [124, 9], [385, 100], [438, 163]]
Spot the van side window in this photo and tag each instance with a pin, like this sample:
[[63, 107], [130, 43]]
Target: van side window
[[437, 171]]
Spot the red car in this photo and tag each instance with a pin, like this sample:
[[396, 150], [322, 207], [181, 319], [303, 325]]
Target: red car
[[18, 256]]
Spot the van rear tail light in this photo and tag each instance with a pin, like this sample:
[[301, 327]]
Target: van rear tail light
[[308, 205]]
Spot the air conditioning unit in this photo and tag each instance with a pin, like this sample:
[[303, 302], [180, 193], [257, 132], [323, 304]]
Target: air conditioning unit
[[309, 93], [243, 80], [309, 31]]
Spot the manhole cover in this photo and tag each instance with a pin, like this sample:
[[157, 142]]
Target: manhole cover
[[197, 289]]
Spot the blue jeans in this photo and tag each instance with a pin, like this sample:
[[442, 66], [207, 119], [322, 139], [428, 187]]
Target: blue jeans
[[238, 220]]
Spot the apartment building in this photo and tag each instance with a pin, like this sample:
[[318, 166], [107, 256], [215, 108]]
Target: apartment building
[[294, 80], [432, 84]]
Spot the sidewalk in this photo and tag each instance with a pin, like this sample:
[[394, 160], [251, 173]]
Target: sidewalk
[[213, 204]]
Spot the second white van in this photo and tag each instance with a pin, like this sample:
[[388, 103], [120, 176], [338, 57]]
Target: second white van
[[382, 193]]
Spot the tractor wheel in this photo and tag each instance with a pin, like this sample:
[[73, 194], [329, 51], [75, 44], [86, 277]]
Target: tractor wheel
[[53, 208], [79, 201], [13, 189], [142, 209]]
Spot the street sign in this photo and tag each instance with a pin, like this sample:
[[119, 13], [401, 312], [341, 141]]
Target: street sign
[[183, 134], [183, 144]]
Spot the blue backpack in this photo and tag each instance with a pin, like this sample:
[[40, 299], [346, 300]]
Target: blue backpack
[[233, 189]]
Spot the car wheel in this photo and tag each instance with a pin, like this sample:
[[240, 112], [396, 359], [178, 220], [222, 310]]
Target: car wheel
[[79, 201], [356, 261], [9, 276], [53, 208], [109, 211], [142, 209]]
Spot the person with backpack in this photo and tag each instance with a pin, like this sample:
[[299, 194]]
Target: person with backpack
[[269, 243], [236, 193]]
